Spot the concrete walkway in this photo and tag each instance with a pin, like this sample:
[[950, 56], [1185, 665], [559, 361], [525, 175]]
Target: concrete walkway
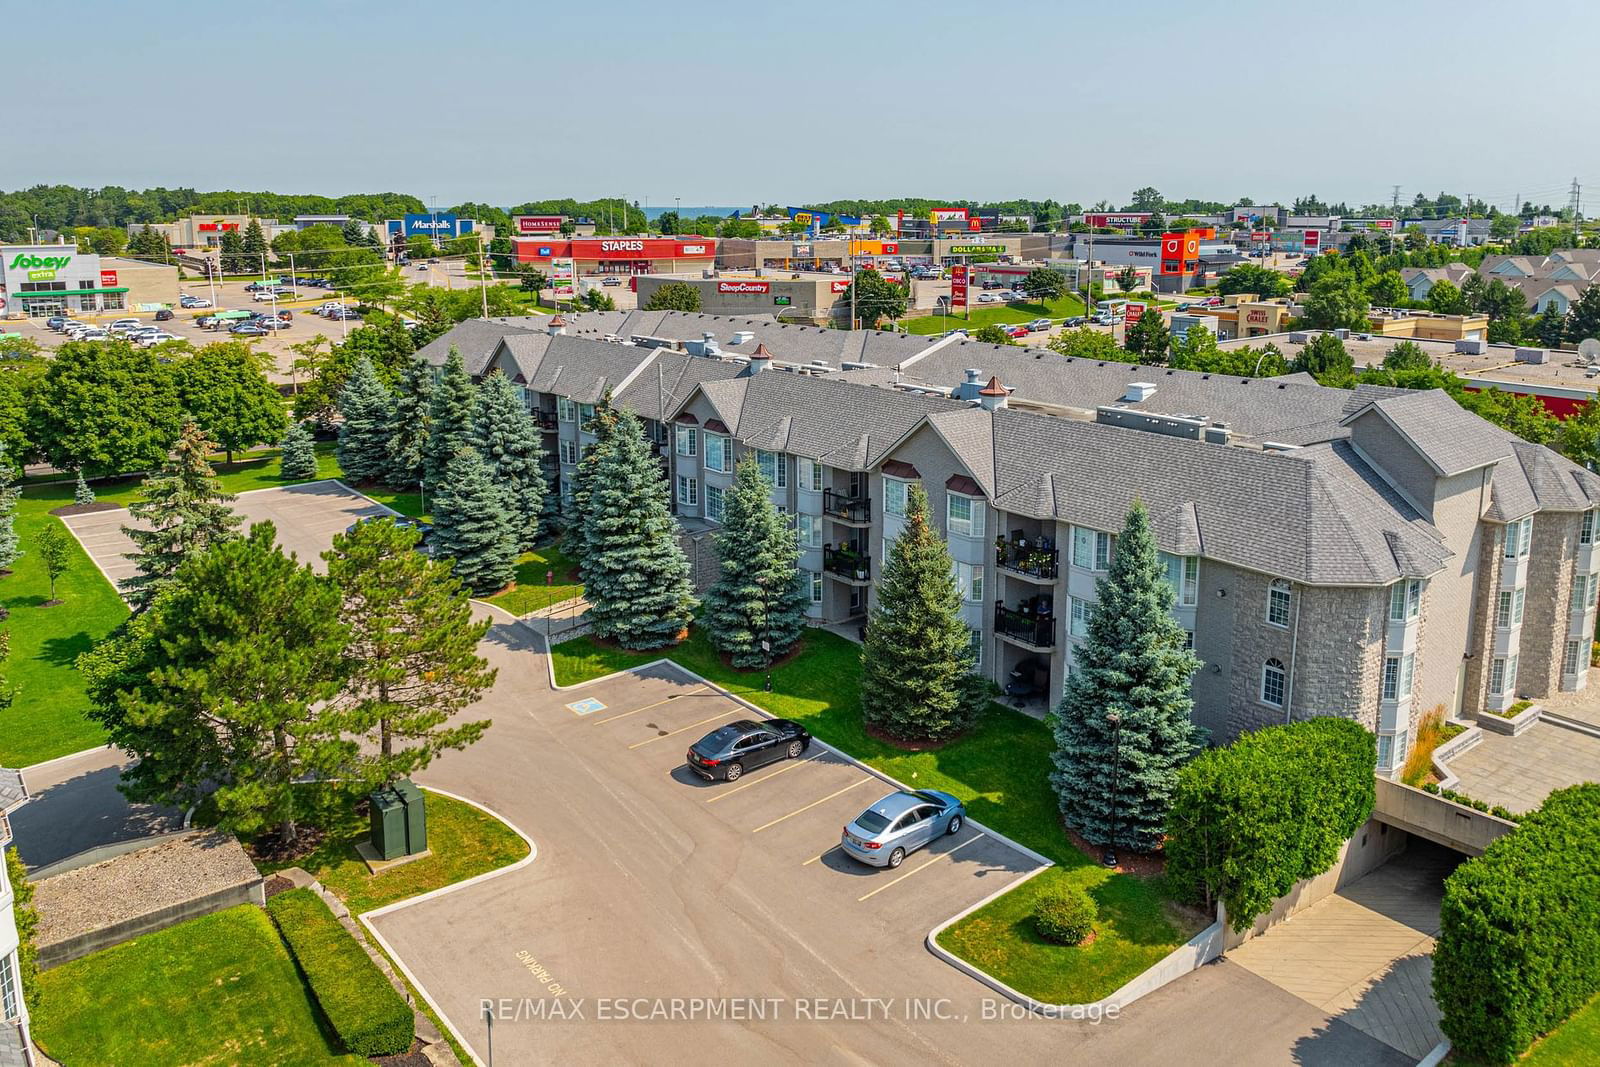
[[1365, 954], [1519, 772]]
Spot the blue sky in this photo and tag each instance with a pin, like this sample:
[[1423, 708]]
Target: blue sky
[[728, 104]]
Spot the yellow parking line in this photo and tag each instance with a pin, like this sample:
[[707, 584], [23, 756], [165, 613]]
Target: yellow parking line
[[657, 704], [758, 781], [814, 803], [924, 867], [691, 726], [817, 857]]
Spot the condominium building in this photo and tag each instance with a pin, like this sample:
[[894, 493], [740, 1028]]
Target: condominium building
[[15, 1047], [1373, 553]]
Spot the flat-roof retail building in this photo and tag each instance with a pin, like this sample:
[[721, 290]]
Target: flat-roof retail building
[[795, 297], [620, 255], [41, 280]]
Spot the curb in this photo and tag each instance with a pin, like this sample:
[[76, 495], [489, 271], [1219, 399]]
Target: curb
[[366, 917]]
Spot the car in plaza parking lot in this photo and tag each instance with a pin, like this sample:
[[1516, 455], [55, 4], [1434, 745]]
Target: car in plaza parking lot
[[988, 298], [1016, 330], [93, 333], [156, 337], [728, 751], [56, 322], [611, 281], [267, 322], [899, 824], [1076, 320], [1039, 326], [247, 329]]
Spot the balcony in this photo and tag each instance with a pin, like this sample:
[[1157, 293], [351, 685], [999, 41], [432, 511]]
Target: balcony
[[1026, 559], [852, 510], [847, 564], [546, 420], [1026, 627]]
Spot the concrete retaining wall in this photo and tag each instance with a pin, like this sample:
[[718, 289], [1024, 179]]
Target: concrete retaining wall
[[1437, 819], [53, 955], [1372, 846]]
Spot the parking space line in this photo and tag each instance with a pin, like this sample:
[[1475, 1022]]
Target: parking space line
[[657, 704], [817, 857], [924, 867], [758, 781], [681, 729], [814, 803]]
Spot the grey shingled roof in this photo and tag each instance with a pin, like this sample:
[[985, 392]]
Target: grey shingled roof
[[1537, 479], [475, 339], [1318, 515], [843, 424], [1451, 438]]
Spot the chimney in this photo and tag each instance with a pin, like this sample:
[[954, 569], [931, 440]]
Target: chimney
[[558, 325], [708, 344], [1138, 392], [993, 395], [760, 359]]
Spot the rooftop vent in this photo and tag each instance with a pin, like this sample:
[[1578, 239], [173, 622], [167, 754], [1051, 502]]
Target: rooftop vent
[[1532, 355], [1139, 392], [742, 337]]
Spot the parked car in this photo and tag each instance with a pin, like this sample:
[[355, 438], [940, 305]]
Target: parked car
[[123, 324], [425, 529], [899, 824], [150, 340], [56, 322], [1039, 326], [1076, 320], [728, 751], [283, 292], [611, 281], [1015, 331], [270, 323], [94, 333], [247, 329], [988, 298], [164, 315]]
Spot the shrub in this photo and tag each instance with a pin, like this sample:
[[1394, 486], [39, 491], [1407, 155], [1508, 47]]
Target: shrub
[[1250, 820], [370, 1018], [1520, 931], [1064, 916], [1432, 732]]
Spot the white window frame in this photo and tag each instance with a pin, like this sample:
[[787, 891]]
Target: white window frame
[[1391, 677], [1583, 591], [1078, 616], [977, 650], [1098, 548], [1586, 534], [1502, 609], [810, 475], [777, 461], [688, 491], [1405, 600], [686, 440], [722, 447], [1511, 673], [1572, 657], [569, 451], [816, 586], [1280, 598], [1519, 536], [1274, 668], [972, 525], [566, 410], [714, 513], [896, 494], [1497, 676], [585, 412], [969, 579], [809, 527]]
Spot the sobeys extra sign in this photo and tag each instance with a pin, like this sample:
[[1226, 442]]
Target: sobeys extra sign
[[39, 268]]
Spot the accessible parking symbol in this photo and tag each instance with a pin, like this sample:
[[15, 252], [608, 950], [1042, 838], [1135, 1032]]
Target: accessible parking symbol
[[587, 706]]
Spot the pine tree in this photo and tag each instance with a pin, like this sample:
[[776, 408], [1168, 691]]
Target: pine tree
[[758, 595], [635, 575], [413, 650], [471, 526], [299, 462], [917, 679], [225, 687], [450, 412], [81, 493], [408, 433], [506, 436], [575, 512], [1122, 729], [368, 410], [10, 547], [182, 511]]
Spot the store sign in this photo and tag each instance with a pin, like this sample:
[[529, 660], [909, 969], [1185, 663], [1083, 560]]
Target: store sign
[[948, 214], [1127, 218], [693, 250], [839, 287], [108, 278], [781, 301], [1311, 239], [958, 285], [1132, 311], [213, 227], [744, 287], [442, 224], [976, 250], [563, 277], [1384, 224], [25, 261], [538, 223], [622, 246], [1255, 316], [802, 250], [41, 275]]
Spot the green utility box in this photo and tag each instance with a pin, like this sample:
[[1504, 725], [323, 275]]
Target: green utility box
[[388, 818], [416, 837]]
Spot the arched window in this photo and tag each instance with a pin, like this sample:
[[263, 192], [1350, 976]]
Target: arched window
[[1273, 678]]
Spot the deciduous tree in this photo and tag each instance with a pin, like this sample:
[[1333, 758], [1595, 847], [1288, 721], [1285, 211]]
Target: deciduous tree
[[105, 408], [1149, 338], [225, 389], [875, 298], [674, 296], [56, 553], [10, 493]]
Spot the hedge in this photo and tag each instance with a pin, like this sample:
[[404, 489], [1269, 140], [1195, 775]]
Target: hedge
[[1250, 820], [1519, 931], [370, 1018]]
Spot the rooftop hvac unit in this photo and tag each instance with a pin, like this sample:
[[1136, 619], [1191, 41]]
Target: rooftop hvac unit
[[742, 337]]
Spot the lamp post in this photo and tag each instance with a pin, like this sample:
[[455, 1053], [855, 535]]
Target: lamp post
[[1110, 858]]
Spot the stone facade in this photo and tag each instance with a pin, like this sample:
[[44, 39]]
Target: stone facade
[[1545, 625]]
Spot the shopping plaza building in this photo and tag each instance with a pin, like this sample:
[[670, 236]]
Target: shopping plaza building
[[41, 280], [1371, 553]]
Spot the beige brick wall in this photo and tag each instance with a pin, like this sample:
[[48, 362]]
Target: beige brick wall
[[1448, 603]]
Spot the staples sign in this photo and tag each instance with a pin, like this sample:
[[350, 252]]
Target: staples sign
[[622, 246], [744, 287]]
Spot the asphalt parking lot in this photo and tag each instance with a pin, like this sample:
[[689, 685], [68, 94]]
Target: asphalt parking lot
[[306, 516]]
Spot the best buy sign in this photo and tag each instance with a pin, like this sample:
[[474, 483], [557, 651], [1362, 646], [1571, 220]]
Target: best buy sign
[[24, 260]]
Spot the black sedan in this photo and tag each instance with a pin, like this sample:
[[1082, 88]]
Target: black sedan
[[729, 751]]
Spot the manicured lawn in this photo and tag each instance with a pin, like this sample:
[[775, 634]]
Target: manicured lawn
[[530, 593], [465, 841], [216, 990], [986, 314], [1576, 1043], [1001, 771], [48, 718]]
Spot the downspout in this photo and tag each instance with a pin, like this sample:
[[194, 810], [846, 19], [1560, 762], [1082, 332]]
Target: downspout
[[1294, 644]]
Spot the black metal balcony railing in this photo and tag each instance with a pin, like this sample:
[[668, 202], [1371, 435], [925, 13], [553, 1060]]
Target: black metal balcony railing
[[849, 508], [1027, 559], [1030, 627], [546, 420], [847, 563]]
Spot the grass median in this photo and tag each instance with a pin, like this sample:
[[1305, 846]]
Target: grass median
[[996, 315], [1000, 770]]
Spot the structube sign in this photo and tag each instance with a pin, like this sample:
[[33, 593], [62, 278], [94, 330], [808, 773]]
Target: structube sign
[[743, 287]]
